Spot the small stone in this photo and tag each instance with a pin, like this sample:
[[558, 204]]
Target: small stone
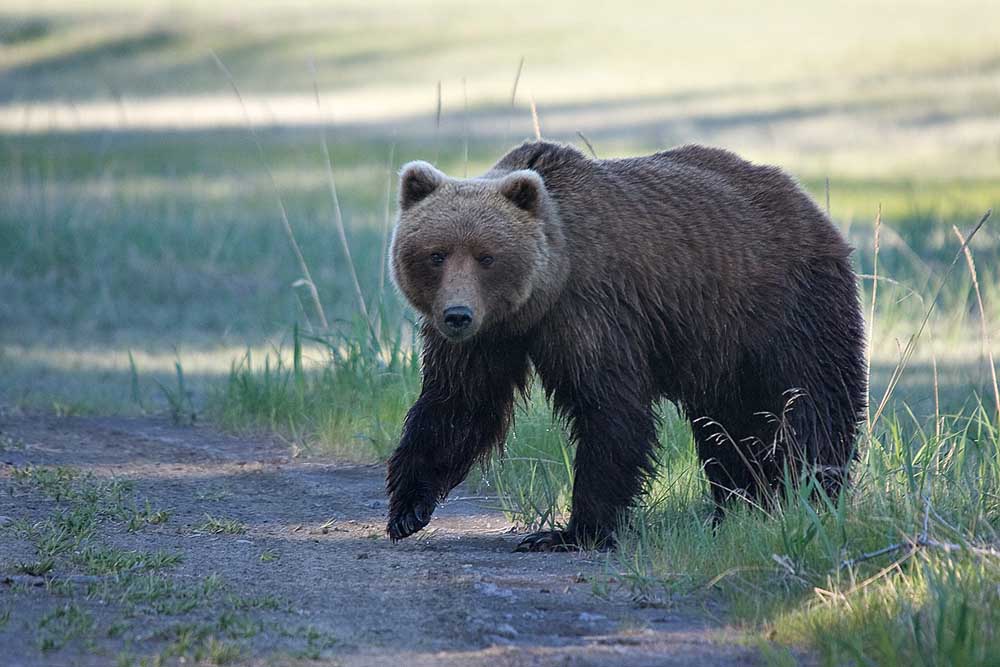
[[587, 617], [5, 521], [506, 630], [492, 590], [497, 640]]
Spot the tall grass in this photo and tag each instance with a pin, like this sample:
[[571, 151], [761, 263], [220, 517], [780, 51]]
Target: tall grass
[[351, 407]]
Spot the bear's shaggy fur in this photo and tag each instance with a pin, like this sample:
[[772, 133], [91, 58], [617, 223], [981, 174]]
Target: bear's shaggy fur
[[690, 275]]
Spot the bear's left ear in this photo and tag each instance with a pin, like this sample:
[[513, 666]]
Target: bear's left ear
[[524, 188], [417, 180]]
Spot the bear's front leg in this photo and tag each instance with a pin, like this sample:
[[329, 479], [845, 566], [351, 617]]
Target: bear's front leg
[[463, 412], [614, 429], [413, 481]]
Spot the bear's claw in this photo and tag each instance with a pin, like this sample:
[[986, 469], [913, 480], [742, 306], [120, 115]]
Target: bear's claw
[[408, 522], [548, 540]]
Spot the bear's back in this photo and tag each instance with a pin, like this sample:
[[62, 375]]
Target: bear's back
[[770, 190], [693, 190]]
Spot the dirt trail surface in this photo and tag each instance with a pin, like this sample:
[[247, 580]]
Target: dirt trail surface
[[285, 561]]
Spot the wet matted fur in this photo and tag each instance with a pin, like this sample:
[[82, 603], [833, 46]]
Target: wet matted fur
[[690, 275]]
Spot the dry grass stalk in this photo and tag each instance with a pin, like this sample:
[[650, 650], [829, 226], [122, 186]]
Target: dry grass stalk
[[465, 127], [912, 343], [534, 118], [438, 108], [590, 146], [383, 254], [517, 78], [338, 219], [513, 100], [937, 393], [984, 329], [303, 267], [871, 318]]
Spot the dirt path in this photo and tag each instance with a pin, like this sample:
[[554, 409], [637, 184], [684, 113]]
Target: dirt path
[[301, 567]]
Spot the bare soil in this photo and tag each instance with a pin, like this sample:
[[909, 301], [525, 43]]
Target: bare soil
[[453, 595]]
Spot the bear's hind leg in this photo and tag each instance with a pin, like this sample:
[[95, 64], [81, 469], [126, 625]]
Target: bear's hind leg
[[732, 465]]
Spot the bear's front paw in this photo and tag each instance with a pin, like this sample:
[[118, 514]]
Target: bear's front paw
[[408, 520]]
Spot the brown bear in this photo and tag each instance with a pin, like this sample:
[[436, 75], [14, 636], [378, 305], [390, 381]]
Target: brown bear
[[690, 275]]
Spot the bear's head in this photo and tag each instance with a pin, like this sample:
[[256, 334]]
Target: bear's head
[[470, 254]]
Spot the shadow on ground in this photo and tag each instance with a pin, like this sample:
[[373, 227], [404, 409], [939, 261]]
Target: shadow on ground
[[312, 538]]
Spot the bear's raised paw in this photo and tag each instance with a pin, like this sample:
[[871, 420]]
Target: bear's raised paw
[[409, 521]]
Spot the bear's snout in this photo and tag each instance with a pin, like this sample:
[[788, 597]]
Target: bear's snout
[[457, 318]]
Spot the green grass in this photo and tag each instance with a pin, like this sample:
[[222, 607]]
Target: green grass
[[783, 571], [351, 407], [102, 590], [69, 539], [221, 526], [63, 625]]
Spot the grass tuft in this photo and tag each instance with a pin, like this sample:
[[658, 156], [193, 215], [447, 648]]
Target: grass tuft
[[218, 526]]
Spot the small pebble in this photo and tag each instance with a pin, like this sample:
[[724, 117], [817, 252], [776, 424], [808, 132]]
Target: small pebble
[[587, 617], [506, 630]]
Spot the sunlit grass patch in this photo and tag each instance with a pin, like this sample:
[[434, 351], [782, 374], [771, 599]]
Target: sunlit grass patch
[[818, 573]]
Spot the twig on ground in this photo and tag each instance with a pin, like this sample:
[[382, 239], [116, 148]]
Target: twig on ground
[[923, 541], [35, 580]]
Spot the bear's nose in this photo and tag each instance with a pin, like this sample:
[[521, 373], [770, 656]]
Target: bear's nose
[[457, 317]]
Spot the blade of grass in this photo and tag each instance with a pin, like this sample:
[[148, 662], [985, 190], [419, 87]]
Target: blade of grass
[[984, 329], [338, 220], [912, 342], [534, 118], [383, 254], [303, 267], [871, 318]]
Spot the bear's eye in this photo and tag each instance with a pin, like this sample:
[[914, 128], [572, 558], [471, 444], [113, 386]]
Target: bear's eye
[[437, 258], [486, 260]]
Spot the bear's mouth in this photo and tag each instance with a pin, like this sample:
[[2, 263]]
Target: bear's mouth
[[457, 336]]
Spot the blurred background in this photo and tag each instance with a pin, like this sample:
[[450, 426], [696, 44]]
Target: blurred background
[[149, 153]]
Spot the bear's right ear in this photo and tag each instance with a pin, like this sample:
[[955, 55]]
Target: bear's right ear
[[416, 181]]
